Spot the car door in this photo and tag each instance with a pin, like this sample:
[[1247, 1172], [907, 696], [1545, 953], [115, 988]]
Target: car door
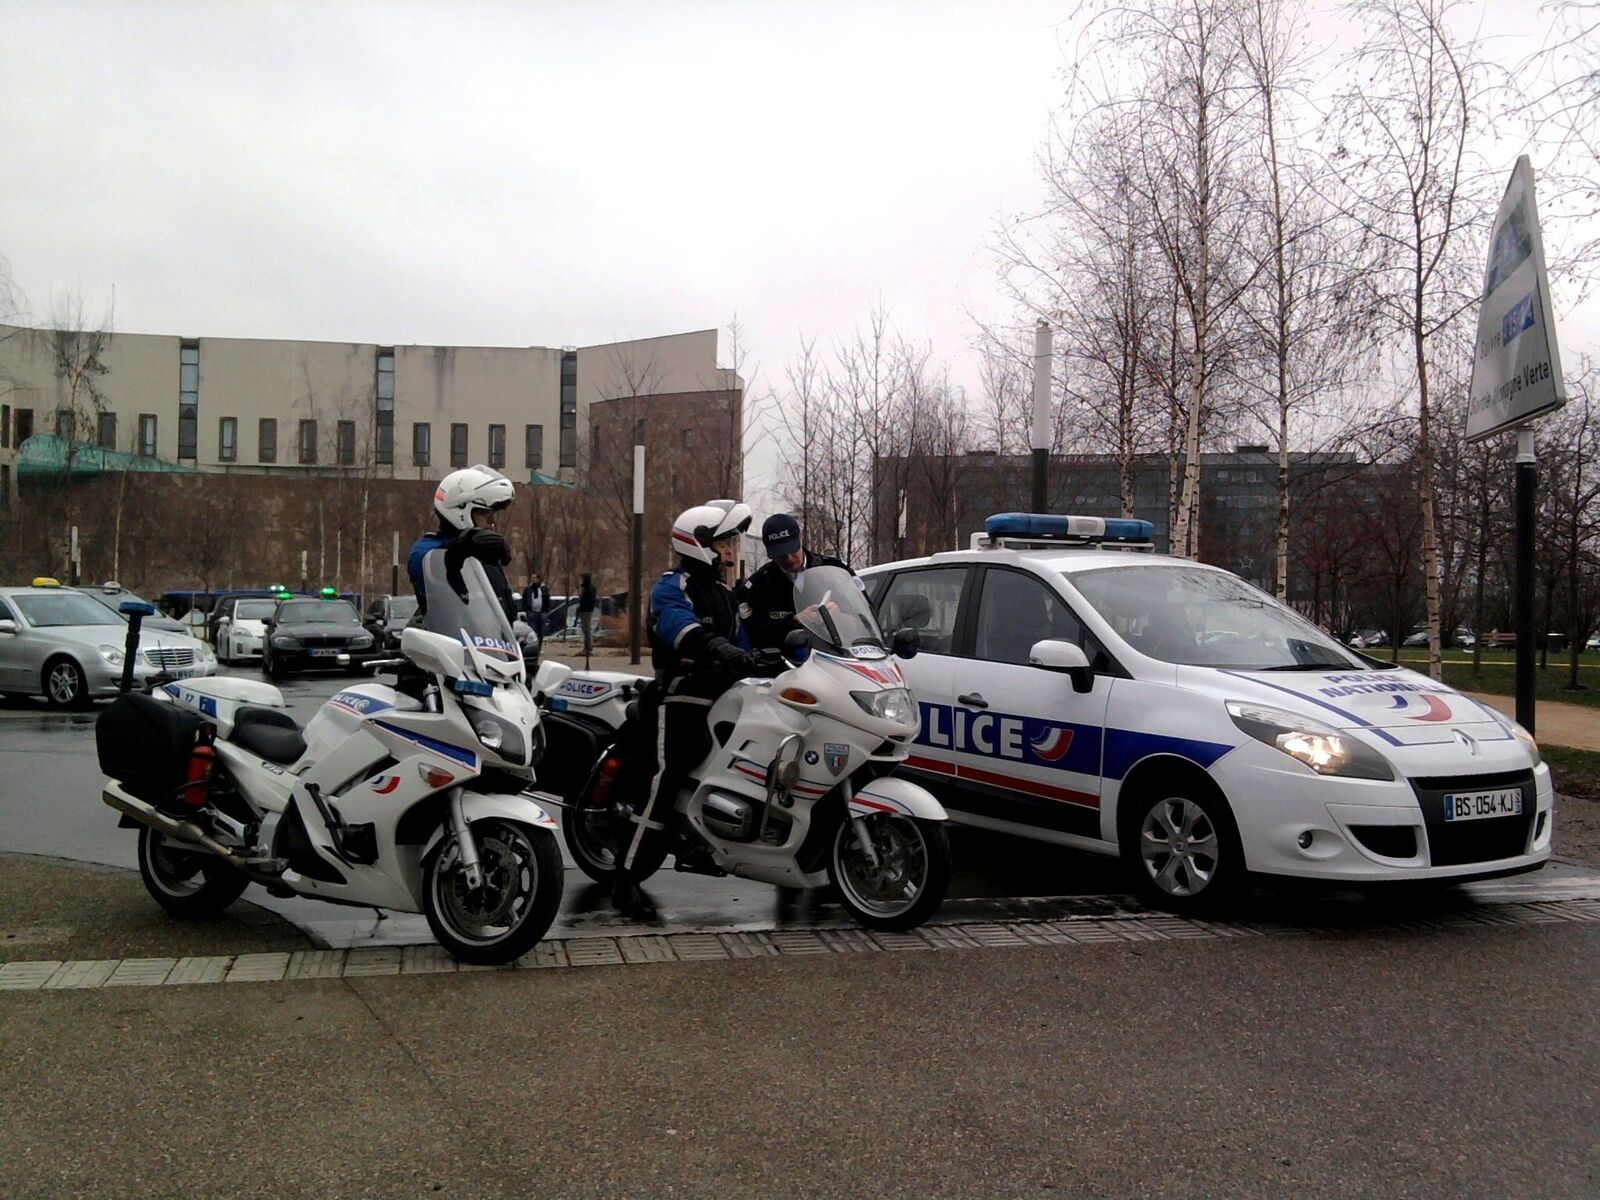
[[15, 674], [1026, 746], [928, 599]]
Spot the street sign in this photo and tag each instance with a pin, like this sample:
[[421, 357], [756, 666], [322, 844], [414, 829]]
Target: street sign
[[1516, 366]]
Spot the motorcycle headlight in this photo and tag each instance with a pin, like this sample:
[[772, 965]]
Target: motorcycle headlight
[[113, 655], [504, 738], [1526, 738], [1321, 747], [890, 704]]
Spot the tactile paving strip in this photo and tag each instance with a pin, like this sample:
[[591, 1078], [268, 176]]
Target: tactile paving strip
[[699, 947]]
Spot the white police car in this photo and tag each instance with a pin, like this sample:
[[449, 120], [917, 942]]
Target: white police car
[[1078, 689]]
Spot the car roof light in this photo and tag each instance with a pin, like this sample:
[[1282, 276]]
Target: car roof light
[[1055, 529], [329, 593], [46, 581]]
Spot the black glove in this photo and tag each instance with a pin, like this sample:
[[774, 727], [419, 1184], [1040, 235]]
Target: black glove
[[488, 546], [729, 656]]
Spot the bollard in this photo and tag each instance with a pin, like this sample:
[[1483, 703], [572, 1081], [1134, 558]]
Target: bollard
[[136, 613]]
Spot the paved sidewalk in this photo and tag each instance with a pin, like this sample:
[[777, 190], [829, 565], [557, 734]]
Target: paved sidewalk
[[1573, 725]]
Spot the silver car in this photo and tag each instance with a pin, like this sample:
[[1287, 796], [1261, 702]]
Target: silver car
[[68, 647]]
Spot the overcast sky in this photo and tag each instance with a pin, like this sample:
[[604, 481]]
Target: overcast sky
[[525, 173]]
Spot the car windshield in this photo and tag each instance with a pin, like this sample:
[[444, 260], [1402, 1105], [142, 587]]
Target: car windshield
[[317, 612], [43, 611], [1202, 618], [830, 606], [254, 610], [402, 608]]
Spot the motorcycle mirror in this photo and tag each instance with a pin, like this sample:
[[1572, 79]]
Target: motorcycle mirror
[[795, 641], [906, 643]]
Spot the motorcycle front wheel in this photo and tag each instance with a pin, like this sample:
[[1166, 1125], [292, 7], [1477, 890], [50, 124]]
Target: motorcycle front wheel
[[902, 881], [187, 883], [502, 920], [587, 826]]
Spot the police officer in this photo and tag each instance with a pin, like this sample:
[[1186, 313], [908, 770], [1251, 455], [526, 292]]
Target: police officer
[[468, 502], [698, 650], [766, 599]]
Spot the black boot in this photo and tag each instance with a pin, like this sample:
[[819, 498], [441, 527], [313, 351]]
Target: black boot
[[628, 898]]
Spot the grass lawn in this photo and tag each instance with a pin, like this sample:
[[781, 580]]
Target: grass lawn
[[1499, 674], [1574, 772]]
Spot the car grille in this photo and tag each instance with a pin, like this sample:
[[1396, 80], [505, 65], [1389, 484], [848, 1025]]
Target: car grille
[[168, 657], [1457, 843], [337, 642]]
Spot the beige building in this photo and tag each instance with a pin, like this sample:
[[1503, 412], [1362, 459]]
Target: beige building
[[288, 408]]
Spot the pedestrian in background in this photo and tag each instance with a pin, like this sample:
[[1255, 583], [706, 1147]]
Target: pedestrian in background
[[536, 602], [586, 615]]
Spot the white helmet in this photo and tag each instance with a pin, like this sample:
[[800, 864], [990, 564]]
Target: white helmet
[[696, 528], [462, 492]]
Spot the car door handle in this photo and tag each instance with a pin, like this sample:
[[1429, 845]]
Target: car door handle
[[973, 700]]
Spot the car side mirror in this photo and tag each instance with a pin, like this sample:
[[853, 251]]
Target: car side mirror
[[7, 625], [1066, 657], [268, 623], [796, 642], [906, 643]]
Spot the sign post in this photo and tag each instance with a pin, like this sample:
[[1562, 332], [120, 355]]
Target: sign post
[[1041, 416], [636, 556], [1516, 377]]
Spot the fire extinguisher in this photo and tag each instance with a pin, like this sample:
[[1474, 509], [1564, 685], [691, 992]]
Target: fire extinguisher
[[202, 758]]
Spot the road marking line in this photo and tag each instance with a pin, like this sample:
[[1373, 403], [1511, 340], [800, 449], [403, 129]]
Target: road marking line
[[370, 961]]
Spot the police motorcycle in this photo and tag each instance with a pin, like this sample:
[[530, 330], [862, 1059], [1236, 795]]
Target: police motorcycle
[[413, 797], [798, 789]]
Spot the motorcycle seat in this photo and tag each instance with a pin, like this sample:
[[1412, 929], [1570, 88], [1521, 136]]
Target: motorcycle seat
[[270, 733]]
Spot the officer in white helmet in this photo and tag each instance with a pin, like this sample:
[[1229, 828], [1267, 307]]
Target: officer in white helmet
[[468, 504], [698, 650]]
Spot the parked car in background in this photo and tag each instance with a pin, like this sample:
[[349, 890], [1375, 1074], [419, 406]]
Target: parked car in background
[[1368, 639], [112, 594], [308, 634], [386, 616], [241, 629], [61, 644]]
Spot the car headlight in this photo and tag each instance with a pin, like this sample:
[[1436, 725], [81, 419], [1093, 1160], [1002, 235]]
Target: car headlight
[[285, 642], [1526, 738], [361, 641], [1321, 747], [113, 655], [890, 704]]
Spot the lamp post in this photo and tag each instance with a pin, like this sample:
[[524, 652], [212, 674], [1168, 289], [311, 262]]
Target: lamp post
[[1041, 416]]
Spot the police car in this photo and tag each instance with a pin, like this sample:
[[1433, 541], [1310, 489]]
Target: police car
[[1079, 689]]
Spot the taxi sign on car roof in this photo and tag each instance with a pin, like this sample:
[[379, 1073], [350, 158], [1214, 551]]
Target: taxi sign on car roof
[[1056, 530], [45, 581]]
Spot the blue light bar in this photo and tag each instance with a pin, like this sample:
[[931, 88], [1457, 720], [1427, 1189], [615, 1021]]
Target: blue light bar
[[472, 687], [129, 607], [1053, 527]]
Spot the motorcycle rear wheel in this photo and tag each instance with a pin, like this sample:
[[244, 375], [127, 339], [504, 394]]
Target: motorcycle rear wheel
[[502, 920], [586, 827], [909, 880], [183, 881]]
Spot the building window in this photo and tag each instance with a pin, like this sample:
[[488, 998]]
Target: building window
[[24, 426], [497, 445], [688, 439], [267, 443], [533, 444], [347, 443], [458, 445], [308, 442], [228, 439], [5, 486], [383, 427], [5, 426], [189, 400], [147, 435], [65, 425], [106, 434], [421, 443], [569, 409]]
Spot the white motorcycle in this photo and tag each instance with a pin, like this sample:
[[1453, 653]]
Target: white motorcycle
[[414, 798], [797, 789]]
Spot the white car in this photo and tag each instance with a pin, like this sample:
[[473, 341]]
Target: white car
[[1078, 689], [241, 627]]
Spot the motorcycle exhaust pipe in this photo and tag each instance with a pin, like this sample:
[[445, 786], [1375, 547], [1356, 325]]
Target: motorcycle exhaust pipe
[[182, 831]]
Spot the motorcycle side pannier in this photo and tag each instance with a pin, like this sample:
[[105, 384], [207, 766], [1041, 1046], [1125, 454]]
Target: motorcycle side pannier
[[145, 746]]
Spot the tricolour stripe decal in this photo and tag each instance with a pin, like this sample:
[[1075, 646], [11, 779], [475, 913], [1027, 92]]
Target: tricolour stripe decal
[[1031, 787]]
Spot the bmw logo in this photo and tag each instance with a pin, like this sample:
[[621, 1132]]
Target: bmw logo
[[811, 758]]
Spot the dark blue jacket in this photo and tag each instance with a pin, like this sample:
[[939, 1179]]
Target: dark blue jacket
[[691, 611]]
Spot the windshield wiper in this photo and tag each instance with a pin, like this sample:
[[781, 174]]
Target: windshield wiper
[[1309, 667]]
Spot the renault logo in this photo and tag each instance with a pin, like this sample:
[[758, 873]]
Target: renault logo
[[1466, 740]]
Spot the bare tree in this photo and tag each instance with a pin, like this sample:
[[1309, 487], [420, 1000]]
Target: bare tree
[[1417, 195]]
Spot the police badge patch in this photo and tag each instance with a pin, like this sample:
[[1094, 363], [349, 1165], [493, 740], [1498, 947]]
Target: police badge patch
[[834, 756]]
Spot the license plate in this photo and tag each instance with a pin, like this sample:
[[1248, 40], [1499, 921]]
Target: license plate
[[323, 653], [1476, 806], [182, 672]]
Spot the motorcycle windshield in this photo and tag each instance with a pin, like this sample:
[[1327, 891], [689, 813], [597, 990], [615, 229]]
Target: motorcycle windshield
[[830, 606], [476, 620]]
